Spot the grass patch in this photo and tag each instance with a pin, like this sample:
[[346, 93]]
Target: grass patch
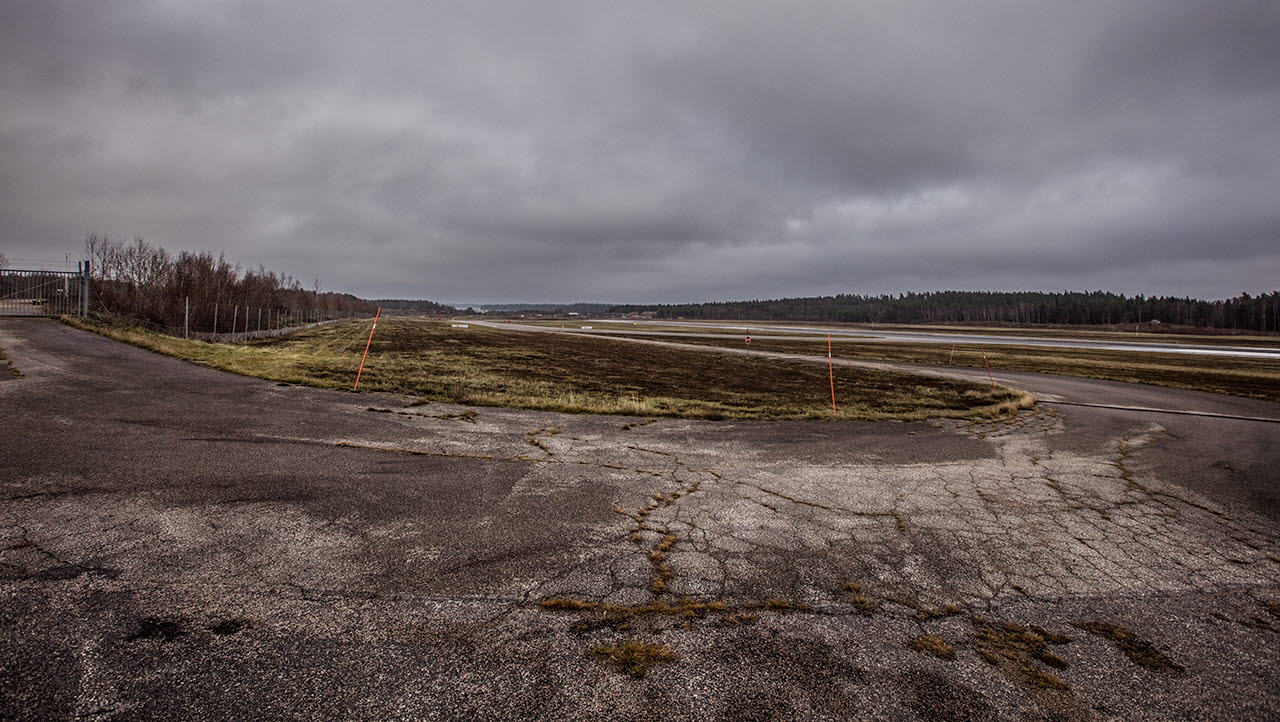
[[1247, 377], [1140, 652], [1015, 649], [937, 646], [571, 373], [634, 657], [859, 599]]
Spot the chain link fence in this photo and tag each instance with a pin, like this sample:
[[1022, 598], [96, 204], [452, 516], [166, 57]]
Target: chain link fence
[[221, 323]]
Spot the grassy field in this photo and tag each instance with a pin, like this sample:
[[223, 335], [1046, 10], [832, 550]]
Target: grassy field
[[663, 328], [1252, 378], [1257, 341], [564, 372]]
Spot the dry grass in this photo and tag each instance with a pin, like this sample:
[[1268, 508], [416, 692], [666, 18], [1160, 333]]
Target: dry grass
[[1015, 649], [1251, 378], [634, 657], [1140, 652], [859, 599], [569, 373], [937, 646], [1148, 334]]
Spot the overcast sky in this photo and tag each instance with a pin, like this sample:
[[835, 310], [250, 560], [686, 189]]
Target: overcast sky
[[656, 151]]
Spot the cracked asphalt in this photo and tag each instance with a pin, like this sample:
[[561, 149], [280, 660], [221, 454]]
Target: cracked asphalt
[[181, 543]]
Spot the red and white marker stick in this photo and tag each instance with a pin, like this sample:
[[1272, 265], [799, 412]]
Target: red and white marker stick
[[831, 373], [376, 316]]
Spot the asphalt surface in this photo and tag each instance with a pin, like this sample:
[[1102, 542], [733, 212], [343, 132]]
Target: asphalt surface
[[180, 543], [871, 334]]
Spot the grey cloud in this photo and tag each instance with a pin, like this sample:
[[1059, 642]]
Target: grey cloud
[[659, 151]]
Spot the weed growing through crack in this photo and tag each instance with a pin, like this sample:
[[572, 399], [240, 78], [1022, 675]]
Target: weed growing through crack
[[535, 437], [468, 416], [924, 615], [658, 559], [937, 646], [644, 533], [859, 600], [1015, 649], [1041, 678], [634, 657]]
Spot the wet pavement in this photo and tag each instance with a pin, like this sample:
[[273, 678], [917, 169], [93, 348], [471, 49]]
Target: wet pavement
[[181, 543]]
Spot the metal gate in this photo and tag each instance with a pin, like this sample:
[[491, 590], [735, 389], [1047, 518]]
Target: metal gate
[[44, 293]]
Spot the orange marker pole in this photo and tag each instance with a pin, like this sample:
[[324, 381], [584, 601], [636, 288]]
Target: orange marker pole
[[831, 372], [984, 363], [376, 316]]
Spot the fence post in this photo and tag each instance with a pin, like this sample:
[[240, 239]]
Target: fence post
[[85, 312], [259, 318], [186, 319]]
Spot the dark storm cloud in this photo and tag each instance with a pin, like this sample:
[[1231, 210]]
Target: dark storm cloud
[[656, 151]]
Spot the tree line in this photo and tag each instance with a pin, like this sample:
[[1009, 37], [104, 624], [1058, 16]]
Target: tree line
[[414, 307], [148, 284], [1241, 313]]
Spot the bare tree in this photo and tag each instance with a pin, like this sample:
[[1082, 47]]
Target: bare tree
[[102, 254], [148, 283], [4, 262]]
